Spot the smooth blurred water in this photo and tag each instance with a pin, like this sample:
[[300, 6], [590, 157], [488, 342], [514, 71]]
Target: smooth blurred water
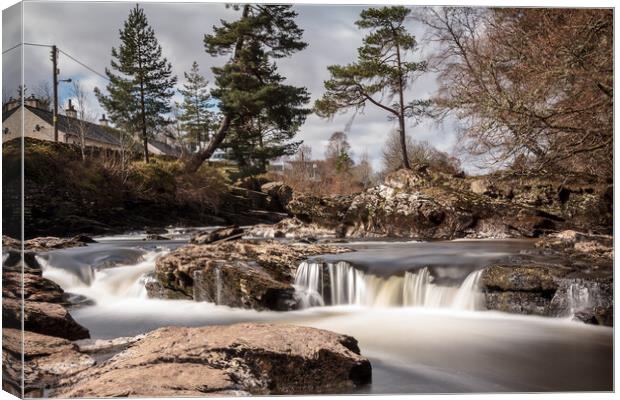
[[414, 347]]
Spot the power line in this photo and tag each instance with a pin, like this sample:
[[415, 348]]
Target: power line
[[39, 45], [84, 65], [63, 52], [14, 47], [26, 44]]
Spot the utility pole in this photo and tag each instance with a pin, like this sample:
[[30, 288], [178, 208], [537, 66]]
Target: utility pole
[[55, 83]]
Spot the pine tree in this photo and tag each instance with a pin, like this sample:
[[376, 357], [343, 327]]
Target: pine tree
[[139, 95], [196, 118], [381, 69], [255, 103]]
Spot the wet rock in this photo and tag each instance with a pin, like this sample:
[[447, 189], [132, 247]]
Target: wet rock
[[228, 233], [246, 274], [291, 228], [588, 300], [9, 242], [155, 290], [526, 289], [34, 288], [40, 317], [522, 278], [47, 360], [328, 211], [155, 231], [256, 359], [595, 248], [551, 290], [155, 237], [583, 202], [52, 242], [94, 346], [13, 262], [280, 193]]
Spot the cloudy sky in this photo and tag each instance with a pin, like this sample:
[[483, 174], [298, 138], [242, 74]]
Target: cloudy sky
[[88, 31]]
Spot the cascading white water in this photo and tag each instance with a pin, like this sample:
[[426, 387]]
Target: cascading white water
[[579, 297], [124, 281], [348, 285]]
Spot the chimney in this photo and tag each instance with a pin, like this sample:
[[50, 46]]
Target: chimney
[[70, 111], [32, 101], [103, 121], [10, 104]]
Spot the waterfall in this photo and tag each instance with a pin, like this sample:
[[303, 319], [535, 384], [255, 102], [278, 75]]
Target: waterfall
[[107, 283], [579, 297], [218, 285], [319, 284]]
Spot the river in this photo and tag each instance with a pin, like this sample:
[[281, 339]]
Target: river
[[415, 309]]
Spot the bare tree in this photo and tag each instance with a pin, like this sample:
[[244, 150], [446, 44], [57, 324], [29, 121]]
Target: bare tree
[[363, 171], [44, 94], [419, 153], [85, 116], [533, 84]]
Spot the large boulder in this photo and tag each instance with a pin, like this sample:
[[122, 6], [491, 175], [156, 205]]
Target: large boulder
[[257, 359], [33, 287], [15, 263], [52, 242], [327, 211], [280, 193], [584, 202], [44, 301], [551, 290], [211, 236], [47, 359], [245, 274], [41, 317], [291, 228]]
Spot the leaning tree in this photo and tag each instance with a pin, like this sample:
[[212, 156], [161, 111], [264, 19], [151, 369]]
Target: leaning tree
[[383, 71], [252, 96]]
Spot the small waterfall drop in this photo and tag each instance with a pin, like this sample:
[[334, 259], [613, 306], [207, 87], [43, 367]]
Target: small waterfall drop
[[320, 284], [579, 298], [120, 281], [218, 286]]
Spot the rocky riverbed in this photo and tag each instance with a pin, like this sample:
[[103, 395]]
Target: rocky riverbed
[[326, 254]]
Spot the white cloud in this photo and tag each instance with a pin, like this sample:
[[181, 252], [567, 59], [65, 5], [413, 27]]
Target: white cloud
[[88, 31]]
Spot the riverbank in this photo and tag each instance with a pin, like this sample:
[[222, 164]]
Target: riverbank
[[68, 196], [106, 287]]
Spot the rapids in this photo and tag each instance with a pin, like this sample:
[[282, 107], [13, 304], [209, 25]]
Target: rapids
[[415, 308]]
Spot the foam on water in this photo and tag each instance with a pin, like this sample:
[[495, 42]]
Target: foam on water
[[319, 283]]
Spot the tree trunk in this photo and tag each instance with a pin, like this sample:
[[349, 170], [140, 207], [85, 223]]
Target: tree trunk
[[195, 162], [401, 116], [144, 137], [143, 110]]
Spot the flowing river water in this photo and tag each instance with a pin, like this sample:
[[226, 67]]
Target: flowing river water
[[415, 309]]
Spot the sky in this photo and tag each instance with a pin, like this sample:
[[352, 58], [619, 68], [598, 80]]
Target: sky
[[88, 31]]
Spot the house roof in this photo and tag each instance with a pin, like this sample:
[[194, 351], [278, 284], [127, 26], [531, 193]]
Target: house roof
[[165, 148], [7, 114], [71, 126]]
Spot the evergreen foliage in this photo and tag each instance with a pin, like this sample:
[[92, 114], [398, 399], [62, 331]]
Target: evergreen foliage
[[260, 113], [195, 117], [382, 70], [139, 93]]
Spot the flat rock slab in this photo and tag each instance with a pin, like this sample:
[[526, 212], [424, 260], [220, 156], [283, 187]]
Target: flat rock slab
[[47, 360], [34, 287], [254, 359], [47, 242], [45, 318]]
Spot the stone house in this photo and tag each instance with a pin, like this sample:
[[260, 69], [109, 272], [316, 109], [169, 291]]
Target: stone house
[[38, 124]]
